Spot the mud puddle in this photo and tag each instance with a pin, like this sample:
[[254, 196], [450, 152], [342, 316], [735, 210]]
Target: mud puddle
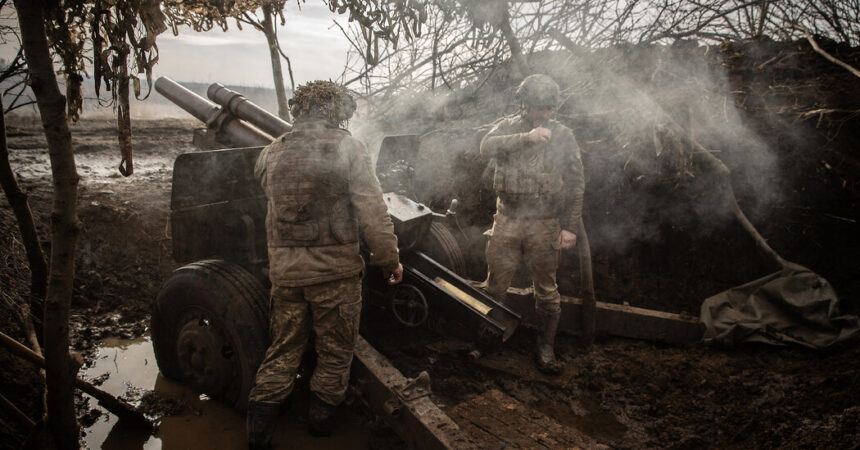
[[186, 419]]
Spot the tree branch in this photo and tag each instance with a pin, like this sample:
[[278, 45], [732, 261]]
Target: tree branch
[[823, 53]]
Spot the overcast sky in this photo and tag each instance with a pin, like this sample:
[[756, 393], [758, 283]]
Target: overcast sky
[[315, 46]]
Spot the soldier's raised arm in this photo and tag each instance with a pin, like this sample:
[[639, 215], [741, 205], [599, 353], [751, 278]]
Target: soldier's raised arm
[[501, 139]]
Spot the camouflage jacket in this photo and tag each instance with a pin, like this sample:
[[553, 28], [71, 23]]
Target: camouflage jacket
[[536, 180], [294, 265]]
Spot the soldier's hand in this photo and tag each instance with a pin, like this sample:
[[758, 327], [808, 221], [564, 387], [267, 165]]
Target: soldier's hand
[[395, 276], [566, 240], [539, 134]]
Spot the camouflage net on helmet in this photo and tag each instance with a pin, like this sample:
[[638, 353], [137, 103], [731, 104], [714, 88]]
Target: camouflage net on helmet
[[322, 99]]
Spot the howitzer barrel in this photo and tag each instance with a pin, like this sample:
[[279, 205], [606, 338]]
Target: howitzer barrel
[[202, 109], [244, 109], [239, 133]]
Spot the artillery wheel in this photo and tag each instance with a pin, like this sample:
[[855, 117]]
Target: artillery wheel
[[210, 329], [408, 305], [441, 245]]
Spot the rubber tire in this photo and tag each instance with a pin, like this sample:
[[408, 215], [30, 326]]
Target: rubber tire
[[236, 305], [441, 246]]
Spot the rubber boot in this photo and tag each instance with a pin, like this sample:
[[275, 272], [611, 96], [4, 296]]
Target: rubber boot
[[260, 424], [547, 325], [320, 417]]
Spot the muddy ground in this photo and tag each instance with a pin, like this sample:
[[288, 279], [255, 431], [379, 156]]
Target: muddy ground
[[123, 250], [621, 394]]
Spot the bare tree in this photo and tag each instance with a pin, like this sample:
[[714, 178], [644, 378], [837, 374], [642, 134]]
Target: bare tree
[[266, 25], [467, 41], [27, 226], [13, 80], [386, 20], [13, 76], [121, 38], [17, 198], [60, 369], [13, 73], [270, 31]]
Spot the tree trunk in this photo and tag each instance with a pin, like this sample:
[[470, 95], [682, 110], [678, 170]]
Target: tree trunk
[[277, 73], [521, 69], [64, 223], [18, 201], [762, 18]]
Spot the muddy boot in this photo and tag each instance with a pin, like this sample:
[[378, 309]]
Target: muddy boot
[[260, 424], [547, 324], [320, 417]]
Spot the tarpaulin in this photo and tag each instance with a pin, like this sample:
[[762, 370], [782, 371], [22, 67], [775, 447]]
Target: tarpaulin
[[794, 306]]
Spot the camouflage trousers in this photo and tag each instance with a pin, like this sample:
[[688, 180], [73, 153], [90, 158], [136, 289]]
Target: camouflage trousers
[[533, 241], [332, 311]]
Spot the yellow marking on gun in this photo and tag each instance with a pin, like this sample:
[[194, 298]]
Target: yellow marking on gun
[[466, 298]]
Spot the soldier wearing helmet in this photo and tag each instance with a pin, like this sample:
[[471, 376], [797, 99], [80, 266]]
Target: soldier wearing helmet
[[322, 194], [539, 184]]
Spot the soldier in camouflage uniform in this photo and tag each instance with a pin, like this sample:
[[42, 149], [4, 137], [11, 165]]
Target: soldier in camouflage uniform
[[540, 186], [322, 195]]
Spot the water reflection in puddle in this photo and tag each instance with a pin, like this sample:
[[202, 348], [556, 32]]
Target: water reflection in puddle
[[130, 365]]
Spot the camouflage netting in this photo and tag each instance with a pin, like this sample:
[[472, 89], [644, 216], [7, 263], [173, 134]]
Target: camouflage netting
[[322, 99]]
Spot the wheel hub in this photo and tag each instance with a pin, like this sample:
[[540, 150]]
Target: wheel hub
[[204, 356], [408, 305]]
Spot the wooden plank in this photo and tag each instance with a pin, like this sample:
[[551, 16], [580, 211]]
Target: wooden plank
[[415, 418], [496, 420], [523, 368], [614, 319]]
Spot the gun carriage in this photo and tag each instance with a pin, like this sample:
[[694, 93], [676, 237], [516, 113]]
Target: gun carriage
[[210, 319]]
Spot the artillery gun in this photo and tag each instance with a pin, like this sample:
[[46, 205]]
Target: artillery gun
[[210, 319]]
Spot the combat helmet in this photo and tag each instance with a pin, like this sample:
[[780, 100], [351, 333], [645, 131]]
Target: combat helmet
[[322, 99], [538, 90]]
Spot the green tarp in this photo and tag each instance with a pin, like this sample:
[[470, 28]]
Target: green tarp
[[794, 306]]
